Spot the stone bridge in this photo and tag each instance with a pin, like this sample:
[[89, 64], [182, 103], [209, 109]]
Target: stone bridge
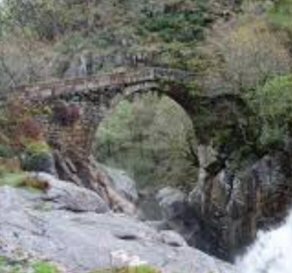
[[70, 110]]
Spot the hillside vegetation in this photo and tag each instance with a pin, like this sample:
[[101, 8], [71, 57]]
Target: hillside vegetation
[[242, 47]]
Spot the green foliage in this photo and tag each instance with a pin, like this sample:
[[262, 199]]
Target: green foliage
[[9, 266], [43, 267], [6, 151], [244, 55], [177, 25], [37, 147], [36, 156], [48, 19], [152, 139], [11, 179], [274, 104], [43, 39], [281, 14]]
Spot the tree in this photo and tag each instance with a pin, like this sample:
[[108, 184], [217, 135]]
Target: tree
[[245, 54], [153, 139], [274, 104]]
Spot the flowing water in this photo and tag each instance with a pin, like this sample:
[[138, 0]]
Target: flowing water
[[271, 252]]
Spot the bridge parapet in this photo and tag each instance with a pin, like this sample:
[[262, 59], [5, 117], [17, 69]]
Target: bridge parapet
[[47, 90], [173, 74]]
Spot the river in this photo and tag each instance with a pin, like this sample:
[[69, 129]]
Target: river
[[271, 252]]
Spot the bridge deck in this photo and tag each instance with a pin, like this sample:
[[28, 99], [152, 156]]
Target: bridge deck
[[44, 90]]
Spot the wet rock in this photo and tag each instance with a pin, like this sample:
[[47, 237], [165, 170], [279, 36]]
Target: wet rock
[[172, 201], [231, 207], [179, 216]]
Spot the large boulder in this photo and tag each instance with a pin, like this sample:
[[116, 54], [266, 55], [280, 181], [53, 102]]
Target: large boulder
[[113, 186], [179, 216], [31, 226], [172, 202], [65, 195], [122, 183]]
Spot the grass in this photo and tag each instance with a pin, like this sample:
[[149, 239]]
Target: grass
[[139, 269], [9, 266], [43, 267], [12, 179]]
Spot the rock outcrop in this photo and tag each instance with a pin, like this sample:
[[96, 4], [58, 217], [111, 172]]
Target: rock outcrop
[[231, 206], [50, 225], [103, 180], [67, 196], [179, 216], [121, 182]]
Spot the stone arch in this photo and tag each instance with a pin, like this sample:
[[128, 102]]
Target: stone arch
[[91, 107], [170, 90]]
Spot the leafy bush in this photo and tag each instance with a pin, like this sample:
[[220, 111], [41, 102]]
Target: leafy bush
[[19, 125], [37, 148], [6, 151], [280, 15], [273, 102], [11, 266], [178, 22], [37, 157], [244, 54]]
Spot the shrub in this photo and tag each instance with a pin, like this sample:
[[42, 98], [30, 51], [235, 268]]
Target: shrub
[[10, 266], [19, 126], [273, 102], [37, 147], [244, 54], [6, 151], [37, 157], [178, 21], [39, 163], [280, 14]]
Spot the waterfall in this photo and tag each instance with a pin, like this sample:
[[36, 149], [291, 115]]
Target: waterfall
[[271, 252]]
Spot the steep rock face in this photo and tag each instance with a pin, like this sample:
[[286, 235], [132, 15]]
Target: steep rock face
[[31, 225], [178, 215], [231, 207], [122, 183]]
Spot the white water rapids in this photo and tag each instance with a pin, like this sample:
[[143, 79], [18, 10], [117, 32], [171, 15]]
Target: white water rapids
[[271, 252]]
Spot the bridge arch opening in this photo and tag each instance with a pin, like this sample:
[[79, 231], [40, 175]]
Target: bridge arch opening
[[151, 137]]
